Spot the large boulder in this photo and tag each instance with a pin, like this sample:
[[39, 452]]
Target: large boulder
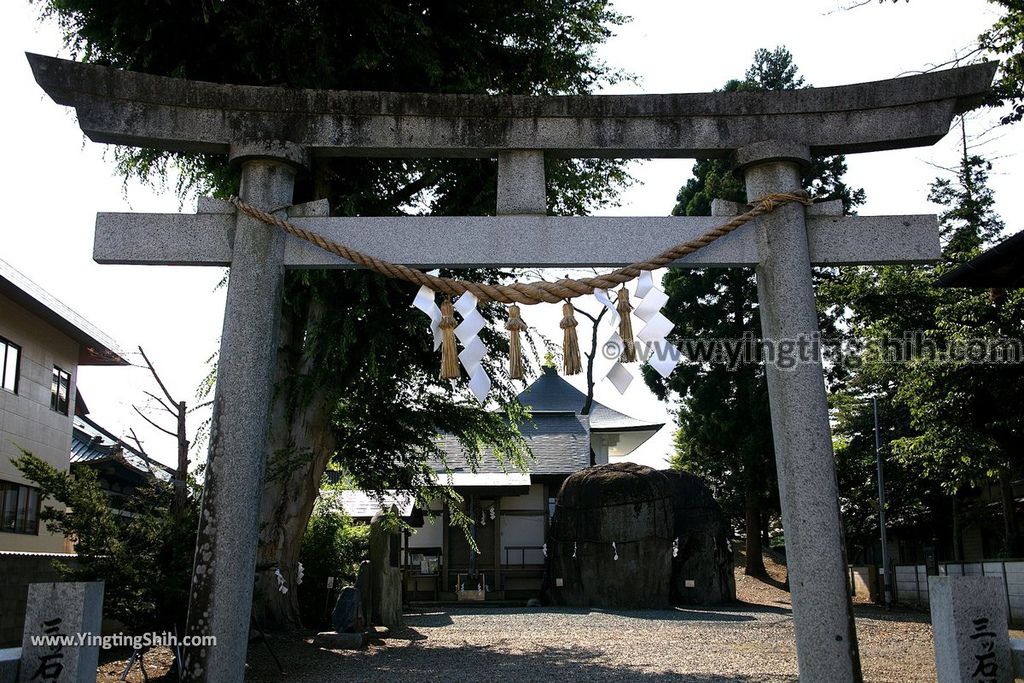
[[702, 569], [611, 539]]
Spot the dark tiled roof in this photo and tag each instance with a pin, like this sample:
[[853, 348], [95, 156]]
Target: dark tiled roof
[[560, 443], [551, 393], [1000, 267], [91, 443]]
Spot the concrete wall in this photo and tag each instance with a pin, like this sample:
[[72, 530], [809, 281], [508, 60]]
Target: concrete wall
[[26, 420], [17, 570], [911, 581]]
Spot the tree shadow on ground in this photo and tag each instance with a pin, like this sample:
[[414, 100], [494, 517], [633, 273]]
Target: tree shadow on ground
[[735, 612], [901, 614], [307, 664]]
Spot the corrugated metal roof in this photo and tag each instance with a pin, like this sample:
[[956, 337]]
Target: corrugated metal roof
[[92, 443], [551, 393], [96, 347]]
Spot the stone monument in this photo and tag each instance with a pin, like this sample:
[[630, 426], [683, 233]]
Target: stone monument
[[970, 630], [61, 613], [385, 573]]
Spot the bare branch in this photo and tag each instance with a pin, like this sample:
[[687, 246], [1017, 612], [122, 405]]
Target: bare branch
[[143, 416], [138, 444], [200, 406], [847, 8], [157, 377], [145, 456], [161, 402]]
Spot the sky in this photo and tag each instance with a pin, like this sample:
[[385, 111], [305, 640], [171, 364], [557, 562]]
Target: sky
[[55, 181]]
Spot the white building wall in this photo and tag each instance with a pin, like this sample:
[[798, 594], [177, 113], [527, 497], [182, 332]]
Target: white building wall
[[518, 531], [430, 535], [534, 500], [26, 420]]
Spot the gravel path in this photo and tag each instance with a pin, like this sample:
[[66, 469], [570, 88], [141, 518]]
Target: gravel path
[[740, 643]]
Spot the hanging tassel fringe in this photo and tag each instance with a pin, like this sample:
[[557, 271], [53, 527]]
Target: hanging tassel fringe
[[449, 354], [515, 325], [571, 364], [624, 308]]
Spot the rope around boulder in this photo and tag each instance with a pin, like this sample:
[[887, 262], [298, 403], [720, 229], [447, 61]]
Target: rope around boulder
[[527, 293]]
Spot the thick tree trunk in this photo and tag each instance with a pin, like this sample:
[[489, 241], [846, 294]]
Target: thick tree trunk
[[755, 558], [301, 444]]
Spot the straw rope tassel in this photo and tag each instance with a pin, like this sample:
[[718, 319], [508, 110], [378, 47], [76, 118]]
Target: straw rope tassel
[[515, 325], [624, 308], [449, 354], [571, 364]]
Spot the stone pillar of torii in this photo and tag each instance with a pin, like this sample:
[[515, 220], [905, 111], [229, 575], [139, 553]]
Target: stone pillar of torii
[[271, 133]]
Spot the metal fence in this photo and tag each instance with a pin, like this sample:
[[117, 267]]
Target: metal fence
[[910, 582]]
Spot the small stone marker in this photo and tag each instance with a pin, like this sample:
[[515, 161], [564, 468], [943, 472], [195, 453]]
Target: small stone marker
[[332, 640], [65, 611], [348, 614], [970, 630]]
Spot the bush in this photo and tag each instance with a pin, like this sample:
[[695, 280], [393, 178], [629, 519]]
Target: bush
[[333, 546], [143, 552]]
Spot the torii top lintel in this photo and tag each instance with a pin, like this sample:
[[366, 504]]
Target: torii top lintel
[[142, 110]]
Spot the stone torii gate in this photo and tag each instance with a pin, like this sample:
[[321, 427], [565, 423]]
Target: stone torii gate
[[272, 132]]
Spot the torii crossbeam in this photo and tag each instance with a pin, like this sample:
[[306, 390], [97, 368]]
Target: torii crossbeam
[[270, 132]]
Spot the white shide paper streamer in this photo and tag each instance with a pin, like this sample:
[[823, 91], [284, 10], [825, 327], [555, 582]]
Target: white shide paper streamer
[[610, 368], [662, 356], [424, 301], [473, 350]]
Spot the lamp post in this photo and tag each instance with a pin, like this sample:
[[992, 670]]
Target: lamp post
[[881, 506]]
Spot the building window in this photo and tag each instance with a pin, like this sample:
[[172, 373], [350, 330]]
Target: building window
[[10, 360], [19, 508], [60, 386]]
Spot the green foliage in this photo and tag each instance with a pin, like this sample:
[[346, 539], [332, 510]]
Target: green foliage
[[1005, 40], [952, 424], [142, 552], [333, 545], [370, 351], [724, 423]]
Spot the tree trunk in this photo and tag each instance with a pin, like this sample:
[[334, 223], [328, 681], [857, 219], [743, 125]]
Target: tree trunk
[[301, 444], [755, 559], [1011, 534], [958, 548]]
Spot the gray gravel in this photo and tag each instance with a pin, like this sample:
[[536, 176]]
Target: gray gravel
[[742, 643]]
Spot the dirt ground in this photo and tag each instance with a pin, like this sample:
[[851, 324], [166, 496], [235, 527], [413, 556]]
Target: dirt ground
[[751, 640]]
